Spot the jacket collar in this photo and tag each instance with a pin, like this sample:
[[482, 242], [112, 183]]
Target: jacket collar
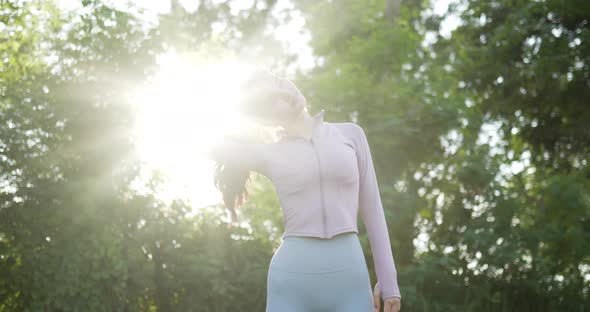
[[318, 118]]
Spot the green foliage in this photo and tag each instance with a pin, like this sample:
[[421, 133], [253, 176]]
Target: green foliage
[[485, 180]]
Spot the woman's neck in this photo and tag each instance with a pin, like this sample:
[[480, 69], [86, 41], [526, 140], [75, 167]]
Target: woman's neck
[[301, 126]]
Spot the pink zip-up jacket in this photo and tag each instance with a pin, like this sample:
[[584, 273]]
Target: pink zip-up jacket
[[322, 183]]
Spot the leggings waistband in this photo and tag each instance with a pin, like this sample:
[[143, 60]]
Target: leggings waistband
[[314, 255]]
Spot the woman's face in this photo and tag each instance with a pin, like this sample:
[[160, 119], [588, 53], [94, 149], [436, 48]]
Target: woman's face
[[279, 100]]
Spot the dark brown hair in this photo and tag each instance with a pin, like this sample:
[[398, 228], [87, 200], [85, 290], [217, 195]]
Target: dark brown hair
[[231, 180], [232, 184]]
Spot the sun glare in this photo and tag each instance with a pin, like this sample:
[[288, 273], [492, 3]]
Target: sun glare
[[183, 110]]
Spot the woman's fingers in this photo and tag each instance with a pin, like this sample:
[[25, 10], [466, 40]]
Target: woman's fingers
[[377, 298], [387, 306], [391, 304]]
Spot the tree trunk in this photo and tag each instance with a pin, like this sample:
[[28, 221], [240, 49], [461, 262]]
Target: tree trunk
[[392, 9]]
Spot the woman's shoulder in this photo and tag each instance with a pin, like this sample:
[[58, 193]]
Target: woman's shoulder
[[347, 128]]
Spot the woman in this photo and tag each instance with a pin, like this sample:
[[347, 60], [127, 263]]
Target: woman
[[323, 174]]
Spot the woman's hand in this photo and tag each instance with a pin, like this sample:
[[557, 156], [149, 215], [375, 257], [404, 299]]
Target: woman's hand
[[389, 304]]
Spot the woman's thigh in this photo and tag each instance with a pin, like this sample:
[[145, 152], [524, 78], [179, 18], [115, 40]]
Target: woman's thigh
[[341, 291], [286, 291], [350, 291]]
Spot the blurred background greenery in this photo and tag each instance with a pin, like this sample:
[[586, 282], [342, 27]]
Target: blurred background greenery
[[477, 112]]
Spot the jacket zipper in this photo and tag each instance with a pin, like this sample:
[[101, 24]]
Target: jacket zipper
[[321, 188]]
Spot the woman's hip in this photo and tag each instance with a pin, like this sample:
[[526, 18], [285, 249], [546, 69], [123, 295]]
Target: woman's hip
[[312, 255], [312, 274]]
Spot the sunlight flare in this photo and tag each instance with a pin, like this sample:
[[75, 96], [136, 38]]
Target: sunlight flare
[[181, 112]]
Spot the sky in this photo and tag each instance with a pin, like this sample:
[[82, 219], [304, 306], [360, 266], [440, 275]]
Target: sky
[[292, 33], [298, 39]]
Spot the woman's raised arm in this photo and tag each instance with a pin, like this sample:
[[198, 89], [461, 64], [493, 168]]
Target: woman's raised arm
[[241, 154]]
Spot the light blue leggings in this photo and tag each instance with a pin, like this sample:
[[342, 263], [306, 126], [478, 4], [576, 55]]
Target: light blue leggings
[[309, 274]]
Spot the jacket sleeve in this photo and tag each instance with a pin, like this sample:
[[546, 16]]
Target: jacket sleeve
[[371, 210], [241, 154]]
